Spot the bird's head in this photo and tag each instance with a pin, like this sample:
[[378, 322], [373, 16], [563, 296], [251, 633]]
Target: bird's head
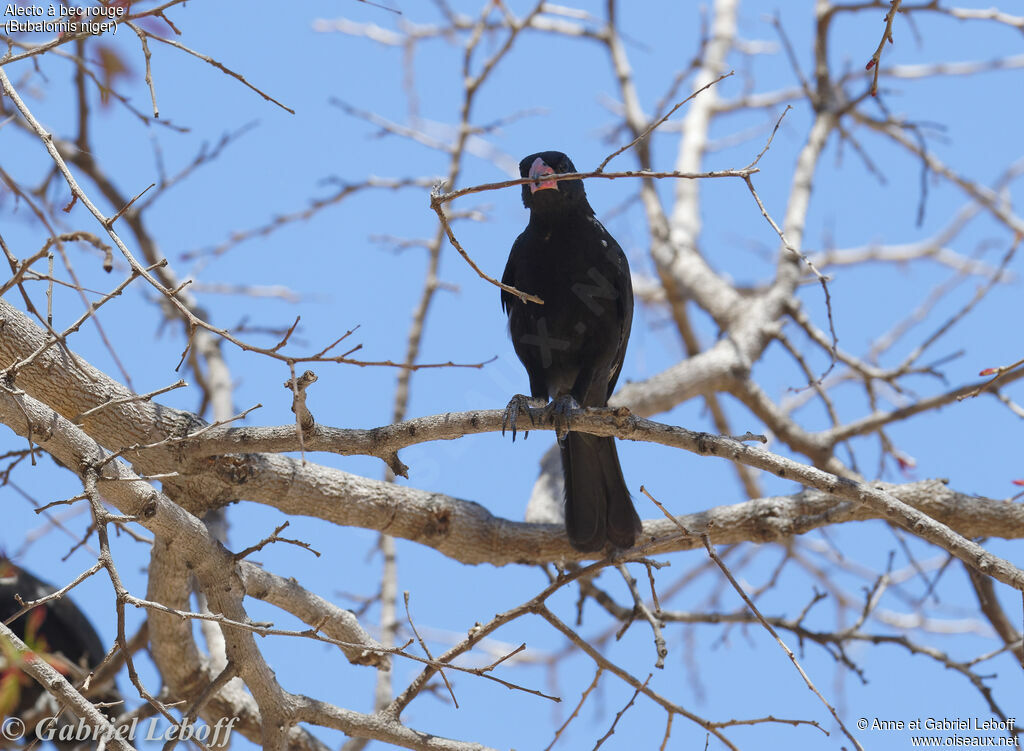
[[551, 195]]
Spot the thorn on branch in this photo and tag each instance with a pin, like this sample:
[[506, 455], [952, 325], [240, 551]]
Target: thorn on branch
[[396, 465]]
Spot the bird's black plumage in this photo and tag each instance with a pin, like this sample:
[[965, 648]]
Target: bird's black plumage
[[62, 626], [57, 630], [573, 345]]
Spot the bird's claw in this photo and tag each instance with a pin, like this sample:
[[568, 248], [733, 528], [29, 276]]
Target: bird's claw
[[560, 412], [518, 403]]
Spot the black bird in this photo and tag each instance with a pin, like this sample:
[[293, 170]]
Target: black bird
[[573, 345], [57, 630]]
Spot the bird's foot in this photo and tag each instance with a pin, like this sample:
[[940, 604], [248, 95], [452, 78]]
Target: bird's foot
[[560, 412], [519, 403]]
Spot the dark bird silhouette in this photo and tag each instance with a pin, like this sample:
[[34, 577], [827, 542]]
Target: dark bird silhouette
[[57, 631], [573, 345]]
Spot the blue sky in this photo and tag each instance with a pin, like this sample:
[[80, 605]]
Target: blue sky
[[348, 277]]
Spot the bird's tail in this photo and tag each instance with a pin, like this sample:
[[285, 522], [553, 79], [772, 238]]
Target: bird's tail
[[597, 504]]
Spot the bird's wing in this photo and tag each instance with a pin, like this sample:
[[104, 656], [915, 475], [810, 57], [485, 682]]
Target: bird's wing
[[623, 301], [509, 277]]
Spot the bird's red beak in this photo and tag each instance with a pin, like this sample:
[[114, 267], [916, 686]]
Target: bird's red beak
[[539, 169]]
